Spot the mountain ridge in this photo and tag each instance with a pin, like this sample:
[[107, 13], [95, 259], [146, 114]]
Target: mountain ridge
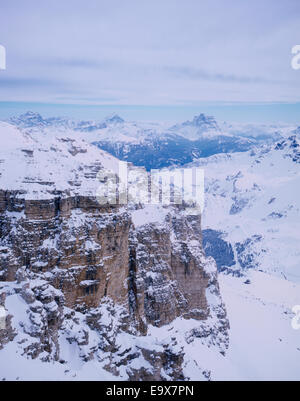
[[155, 145]]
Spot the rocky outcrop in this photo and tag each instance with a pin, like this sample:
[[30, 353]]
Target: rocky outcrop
[[167, 271], [72, 241], [214, 245], [93, 276], [77, 258], [7, 333]]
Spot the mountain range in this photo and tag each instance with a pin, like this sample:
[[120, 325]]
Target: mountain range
[[154, 145], [147, 292]]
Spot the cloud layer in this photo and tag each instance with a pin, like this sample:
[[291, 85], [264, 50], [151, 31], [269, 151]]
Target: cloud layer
[[169, 52]]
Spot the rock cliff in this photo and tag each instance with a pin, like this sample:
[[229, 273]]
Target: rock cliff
[[99, 277]]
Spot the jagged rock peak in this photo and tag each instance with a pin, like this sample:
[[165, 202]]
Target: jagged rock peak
[[29, 119], [203, 121], [114, 119]]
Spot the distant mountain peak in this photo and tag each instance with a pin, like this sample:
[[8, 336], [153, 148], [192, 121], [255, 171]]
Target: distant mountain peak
[[203, 120], [28, 119], [114, 119], [201, 125], [30, 114]]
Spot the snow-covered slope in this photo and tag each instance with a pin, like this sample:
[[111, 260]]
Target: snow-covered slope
[[253, 199], [48, 163], [251, 220], [263, 345]]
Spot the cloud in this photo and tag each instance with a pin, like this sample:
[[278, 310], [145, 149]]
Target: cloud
[[141, 52], [196, 74], [25, 83], [78, 63]]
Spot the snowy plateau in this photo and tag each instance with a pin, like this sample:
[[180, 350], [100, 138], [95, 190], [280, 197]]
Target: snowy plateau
[[147, 292]]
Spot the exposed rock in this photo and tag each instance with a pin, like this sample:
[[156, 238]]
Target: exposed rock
[[214, 245], [85, 274]]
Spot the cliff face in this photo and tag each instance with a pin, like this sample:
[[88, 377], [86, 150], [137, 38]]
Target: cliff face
[[168, 272], [93, 275], [81, 248]]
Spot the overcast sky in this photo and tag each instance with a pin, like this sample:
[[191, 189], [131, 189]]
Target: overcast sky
[[142, 52]]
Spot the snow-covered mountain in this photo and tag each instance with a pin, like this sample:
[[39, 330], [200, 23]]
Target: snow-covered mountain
[[252, 201], [250, 226], [97, 290], [44, 165], [155, 145], [201, 126]]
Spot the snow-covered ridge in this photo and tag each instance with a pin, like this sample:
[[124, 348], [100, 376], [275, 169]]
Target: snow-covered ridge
[[201, 126], [40, 165], [253, 199], [157, 145], [251, 227]]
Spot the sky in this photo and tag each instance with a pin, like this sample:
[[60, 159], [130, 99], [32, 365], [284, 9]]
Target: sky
[[155, 58]]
